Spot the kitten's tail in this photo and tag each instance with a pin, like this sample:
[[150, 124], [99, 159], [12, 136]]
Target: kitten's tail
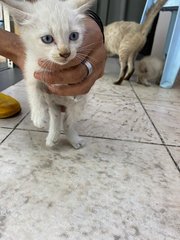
[[150, 16]]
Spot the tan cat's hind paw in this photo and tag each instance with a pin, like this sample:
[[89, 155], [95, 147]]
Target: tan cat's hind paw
[[118, 82]]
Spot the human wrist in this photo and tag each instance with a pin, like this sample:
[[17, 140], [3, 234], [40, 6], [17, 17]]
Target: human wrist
[[11, 47], [91, 14]]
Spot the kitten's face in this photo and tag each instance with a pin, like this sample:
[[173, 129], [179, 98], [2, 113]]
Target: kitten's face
[[51, 29], [56, 37]]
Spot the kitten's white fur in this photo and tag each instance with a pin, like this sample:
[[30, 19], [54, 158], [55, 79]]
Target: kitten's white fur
[[149, 70], [57, 18]]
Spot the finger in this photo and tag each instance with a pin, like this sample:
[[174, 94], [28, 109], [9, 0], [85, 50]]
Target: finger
[[72, 75], [84, 86], [97, 56], [51, 66], [48, 65], [80, 88], [69, 76]]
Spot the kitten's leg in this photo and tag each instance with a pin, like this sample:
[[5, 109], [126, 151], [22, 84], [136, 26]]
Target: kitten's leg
[[144, 81], [54, 125], [71, 116], [37, 103]]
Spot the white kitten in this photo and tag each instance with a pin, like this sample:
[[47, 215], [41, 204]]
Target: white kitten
[[149, 70], [51, 30]]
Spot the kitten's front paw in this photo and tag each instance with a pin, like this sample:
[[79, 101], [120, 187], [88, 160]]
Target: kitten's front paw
[[52, 141], [147, 84], [77, 142], [38, 120]]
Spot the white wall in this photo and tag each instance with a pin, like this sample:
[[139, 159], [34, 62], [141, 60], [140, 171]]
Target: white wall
[[160, 35]]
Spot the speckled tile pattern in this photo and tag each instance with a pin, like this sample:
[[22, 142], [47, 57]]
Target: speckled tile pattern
[[106, 86], [123, 118], [159, 112], [158, 94], [4, 133], [107, 189], [175, 151], [123, 185]]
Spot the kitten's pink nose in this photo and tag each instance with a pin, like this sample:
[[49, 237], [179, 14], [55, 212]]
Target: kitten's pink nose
[[64, 54]]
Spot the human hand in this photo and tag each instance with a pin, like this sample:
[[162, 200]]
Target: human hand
[[71, 79]]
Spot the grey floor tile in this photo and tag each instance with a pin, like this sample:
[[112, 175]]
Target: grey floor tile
[[175, 151], [157, 93], [117, 118], [111, 117], [9, 76], [4, 133], [106, 86], [107, 190], [166, 117]]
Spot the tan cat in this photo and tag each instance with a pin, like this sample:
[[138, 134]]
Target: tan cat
[[126, 39], [149, 70]]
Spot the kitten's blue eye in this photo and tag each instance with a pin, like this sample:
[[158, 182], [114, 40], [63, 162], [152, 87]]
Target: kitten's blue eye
[[47, 39], [74, 36]]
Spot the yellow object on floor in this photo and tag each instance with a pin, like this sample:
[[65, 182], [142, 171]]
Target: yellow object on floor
[[8, 106]]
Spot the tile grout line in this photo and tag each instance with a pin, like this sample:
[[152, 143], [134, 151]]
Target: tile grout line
[[149, 99], [96, 137], [13, 129], [162, 140], [122, 140]]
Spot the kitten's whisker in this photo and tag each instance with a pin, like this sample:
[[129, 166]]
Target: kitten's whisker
[[89, 57], [81, 58], [88, 45], [45, 61], [46, 67]]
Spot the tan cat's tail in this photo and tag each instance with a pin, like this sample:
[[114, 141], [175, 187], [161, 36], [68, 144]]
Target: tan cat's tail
[[150, 16]]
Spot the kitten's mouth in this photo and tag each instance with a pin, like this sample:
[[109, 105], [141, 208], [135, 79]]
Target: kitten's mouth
[[60, 61], [63, 60]]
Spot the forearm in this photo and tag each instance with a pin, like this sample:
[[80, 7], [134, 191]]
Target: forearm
[[11, 47]]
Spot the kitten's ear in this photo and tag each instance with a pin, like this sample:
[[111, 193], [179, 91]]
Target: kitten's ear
[[20, 11], [83, 5]]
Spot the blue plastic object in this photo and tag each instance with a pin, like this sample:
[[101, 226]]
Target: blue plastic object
[[172, 45]]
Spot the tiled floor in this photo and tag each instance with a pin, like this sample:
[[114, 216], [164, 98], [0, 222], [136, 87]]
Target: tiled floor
[[123, 185]]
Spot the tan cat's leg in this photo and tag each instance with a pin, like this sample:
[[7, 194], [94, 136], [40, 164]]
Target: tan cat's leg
[[123, 68], [130, 67]]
